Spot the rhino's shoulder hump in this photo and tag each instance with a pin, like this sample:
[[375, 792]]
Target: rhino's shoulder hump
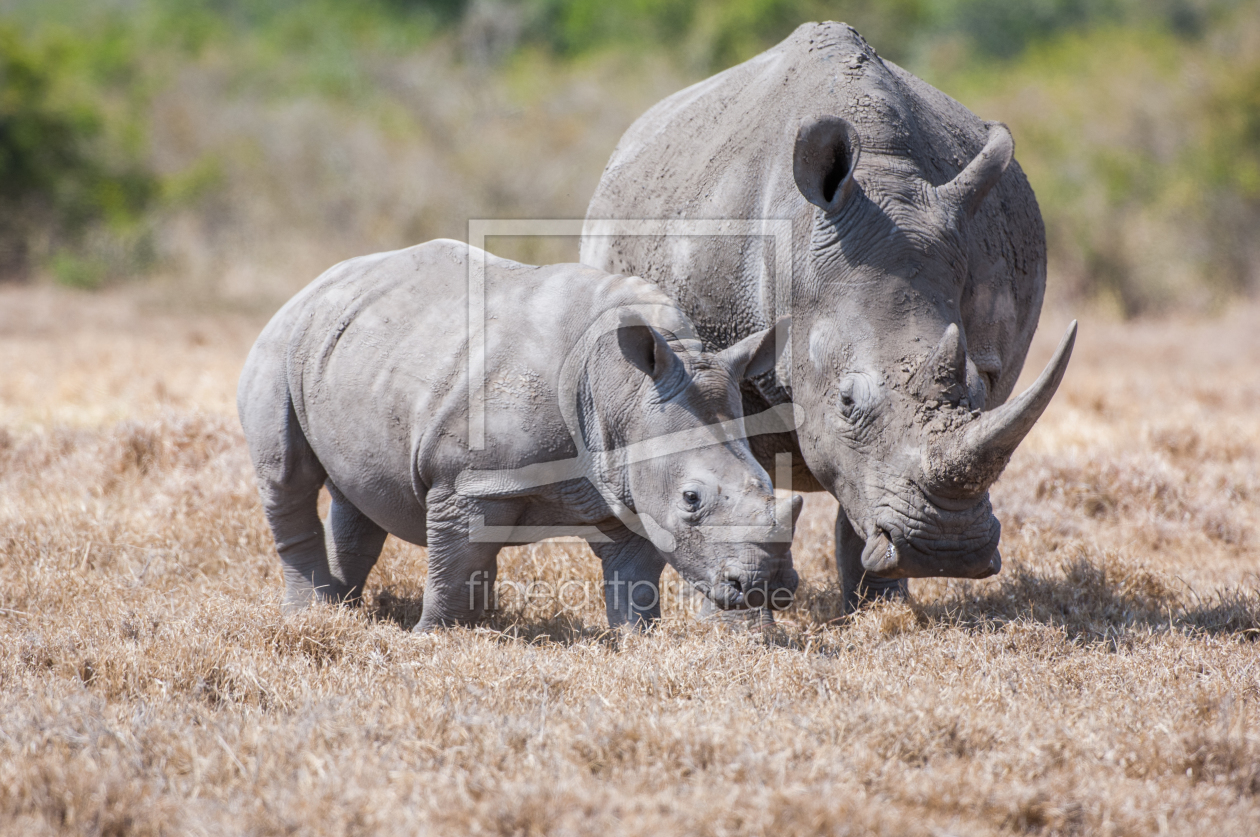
[[826, 37], [812, 48], [704, 136]]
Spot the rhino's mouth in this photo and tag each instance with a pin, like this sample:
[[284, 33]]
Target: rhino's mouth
[[879, 556], [889, 553], [731, 591], [730, 595]]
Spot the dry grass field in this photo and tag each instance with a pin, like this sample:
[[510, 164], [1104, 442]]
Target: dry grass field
[[1107, 682]]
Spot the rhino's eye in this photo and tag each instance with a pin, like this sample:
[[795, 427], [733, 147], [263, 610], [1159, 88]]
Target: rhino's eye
[[691, 499], [856, 398], [847, 401]]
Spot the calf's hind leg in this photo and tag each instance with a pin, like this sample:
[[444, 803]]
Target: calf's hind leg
[[354, 543], [289, 477], [291, 507]]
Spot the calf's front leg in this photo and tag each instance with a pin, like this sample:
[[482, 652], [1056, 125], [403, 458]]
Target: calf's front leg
[[632, 579], [459, 588]]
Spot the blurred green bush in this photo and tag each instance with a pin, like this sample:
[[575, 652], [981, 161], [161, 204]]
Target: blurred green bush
[[66, 195], [1144, 150], [237, 146]]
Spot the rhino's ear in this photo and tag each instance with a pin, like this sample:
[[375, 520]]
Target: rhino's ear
[[644, 347], [826, 153], [757, 353], [967, 191]]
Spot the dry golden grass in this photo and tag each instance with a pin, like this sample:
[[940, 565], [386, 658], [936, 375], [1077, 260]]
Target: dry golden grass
[[1107, 682]]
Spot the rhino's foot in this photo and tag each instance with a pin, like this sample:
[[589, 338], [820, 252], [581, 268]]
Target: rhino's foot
[[873, 589], [751, 619], [431, 622], [301, 595], [639, 626]]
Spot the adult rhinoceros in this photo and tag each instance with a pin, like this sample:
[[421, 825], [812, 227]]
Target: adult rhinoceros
[[601, 417], [918, 257]]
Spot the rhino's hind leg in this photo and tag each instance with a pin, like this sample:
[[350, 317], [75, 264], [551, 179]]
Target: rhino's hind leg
[[353, 543], [289, 479], [292, 512], [857, 584]]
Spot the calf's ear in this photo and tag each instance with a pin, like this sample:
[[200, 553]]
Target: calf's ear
[[823, 159], [644, 347], [757, 353]]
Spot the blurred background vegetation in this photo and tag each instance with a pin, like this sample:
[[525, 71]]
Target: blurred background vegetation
[[232, 149]]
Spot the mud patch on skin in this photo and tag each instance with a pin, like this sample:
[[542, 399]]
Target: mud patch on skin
[[967, 475]]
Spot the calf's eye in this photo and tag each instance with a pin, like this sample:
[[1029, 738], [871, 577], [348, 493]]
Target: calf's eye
[[691, 499]]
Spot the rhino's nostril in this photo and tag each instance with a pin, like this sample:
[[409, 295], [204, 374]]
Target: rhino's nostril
[[756, 597]]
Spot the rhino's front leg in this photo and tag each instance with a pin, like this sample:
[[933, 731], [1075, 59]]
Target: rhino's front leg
[[459, 588], [632, 579], [859, 585]]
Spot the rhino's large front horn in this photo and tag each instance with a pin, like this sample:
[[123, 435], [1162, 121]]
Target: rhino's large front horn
[[967, 190], [967, 463]]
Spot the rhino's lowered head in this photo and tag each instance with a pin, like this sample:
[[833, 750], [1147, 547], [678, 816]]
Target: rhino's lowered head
[[902, 437], [688, 475], [923, 506]]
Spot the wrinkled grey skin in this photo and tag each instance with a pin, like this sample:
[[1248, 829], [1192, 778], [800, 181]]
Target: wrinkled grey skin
[[918, 274], [360, 383]]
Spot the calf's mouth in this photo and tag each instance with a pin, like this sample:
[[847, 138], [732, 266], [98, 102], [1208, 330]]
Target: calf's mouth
[[733, 591]]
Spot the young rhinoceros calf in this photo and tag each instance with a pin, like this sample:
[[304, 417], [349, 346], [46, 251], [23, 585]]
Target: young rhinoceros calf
[[593, 412]]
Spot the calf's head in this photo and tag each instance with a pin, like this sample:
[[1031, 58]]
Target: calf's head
[[897, 425], [689, 475]]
